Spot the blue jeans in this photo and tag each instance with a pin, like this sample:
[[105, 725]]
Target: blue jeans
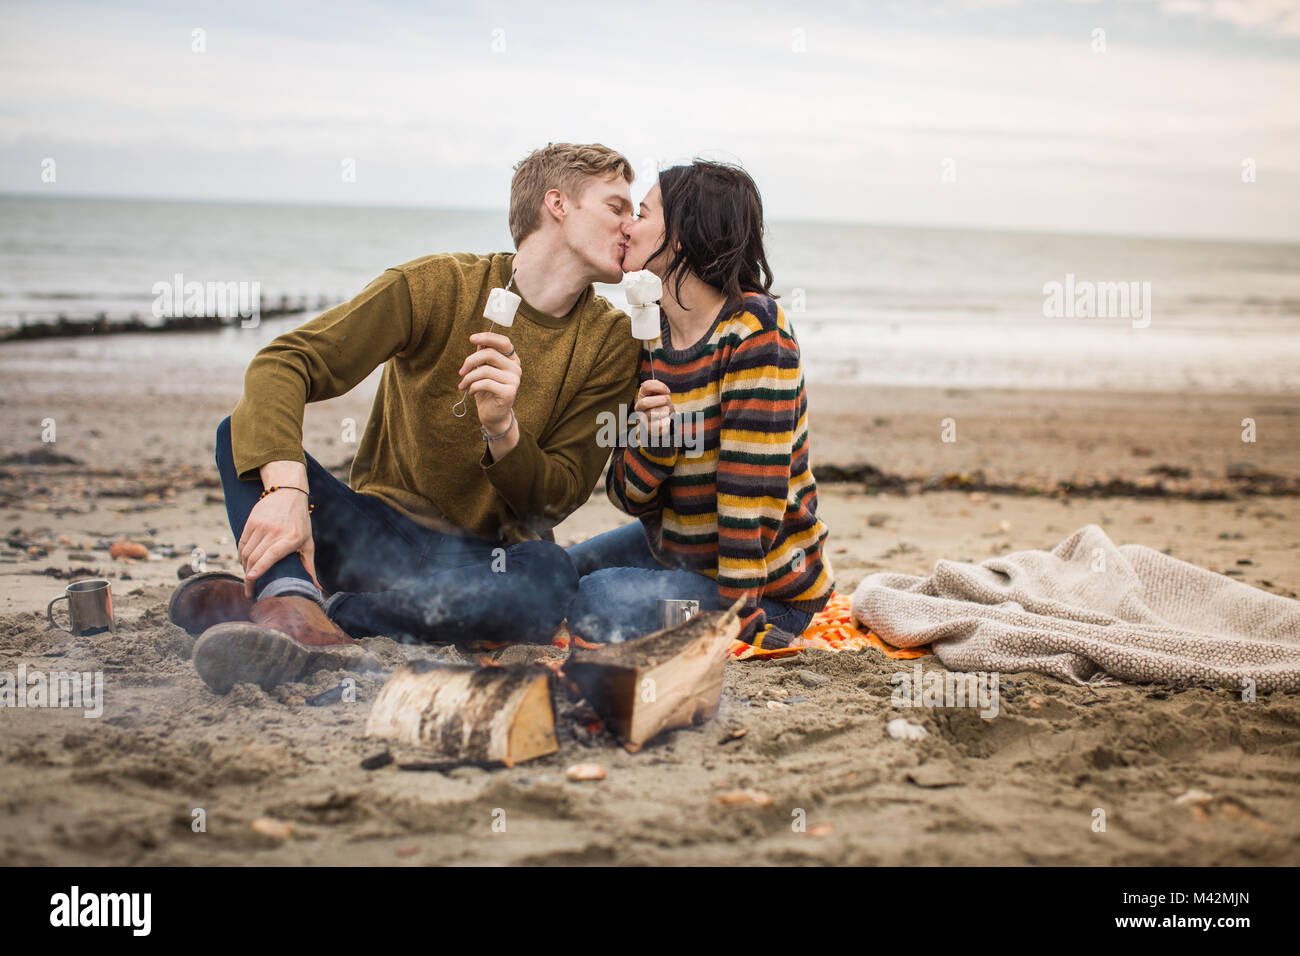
[[620, 583], [407, 581]]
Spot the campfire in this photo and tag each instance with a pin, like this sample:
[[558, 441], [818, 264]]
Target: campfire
[[640, 688]]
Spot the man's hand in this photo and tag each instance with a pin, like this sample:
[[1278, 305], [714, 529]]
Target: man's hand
[[655, 402], [491, 374], [278, 525]]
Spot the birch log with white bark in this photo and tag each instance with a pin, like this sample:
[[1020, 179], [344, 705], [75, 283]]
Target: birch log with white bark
[[473, 714]]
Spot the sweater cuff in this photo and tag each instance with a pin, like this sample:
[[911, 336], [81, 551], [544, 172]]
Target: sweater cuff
[[249, 469], [753, 627], [662, 452], [515, 473], [772, 639], [662, 467]]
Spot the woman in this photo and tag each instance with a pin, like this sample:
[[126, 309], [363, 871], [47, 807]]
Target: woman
[[719, 478]]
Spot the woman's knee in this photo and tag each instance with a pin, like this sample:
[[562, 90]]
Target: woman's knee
[[616, 604], [608, 587], [620, 548]]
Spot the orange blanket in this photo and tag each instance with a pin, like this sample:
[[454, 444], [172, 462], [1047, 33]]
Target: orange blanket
[[832, 629]]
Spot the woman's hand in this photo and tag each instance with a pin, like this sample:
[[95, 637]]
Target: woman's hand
[[655, 404]]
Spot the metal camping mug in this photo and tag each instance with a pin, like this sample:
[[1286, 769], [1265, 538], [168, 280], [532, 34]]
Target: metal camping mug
[[90, 607], [672, 613]]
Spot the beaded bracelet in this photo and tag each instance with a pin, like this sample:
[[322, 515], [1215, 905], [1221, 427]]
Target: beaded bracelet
[[310, 507]]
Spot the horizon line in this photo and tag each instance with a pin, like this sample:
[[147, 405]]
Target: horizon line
[[503, 212]]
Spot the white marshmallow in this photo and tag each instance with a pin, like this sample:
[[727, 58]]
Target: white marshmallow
[[502, 304], [642, 288], [645, 322]]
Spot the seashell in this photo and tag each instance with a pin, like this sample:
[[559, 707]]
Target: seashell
[[901, 729]]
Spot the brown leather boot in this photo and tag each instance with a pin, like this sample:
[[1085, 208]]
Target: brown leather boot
[[301, 618], [206, 599], [282, 639]]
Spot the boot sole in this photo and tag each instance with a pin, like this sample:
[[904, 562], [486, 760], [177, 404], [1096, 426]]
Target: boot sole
[[238, 651], [189, 582]]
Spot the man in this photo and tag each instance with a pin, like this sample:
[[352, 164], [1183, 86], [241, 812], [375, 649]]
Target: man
[[445, 531]]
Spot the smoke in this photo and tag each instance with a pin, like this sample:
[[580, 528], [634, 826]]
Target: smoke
[[471, 591]]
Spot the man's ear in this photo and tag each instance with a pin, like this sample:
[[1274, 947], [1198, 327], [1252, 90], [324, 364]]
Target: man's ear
[[556, 204]]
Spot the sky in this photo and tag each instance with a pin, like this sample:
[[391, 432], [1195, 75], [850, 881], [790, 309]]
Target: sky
[[1148, 117]]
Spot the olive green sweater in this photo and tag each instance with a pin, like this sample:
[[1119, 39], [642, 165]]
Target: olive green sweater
[[416, 320]]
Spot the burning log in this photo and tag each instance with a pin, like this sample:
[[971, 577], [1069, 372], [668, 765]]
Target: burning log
[[671, 678], [474, 714]]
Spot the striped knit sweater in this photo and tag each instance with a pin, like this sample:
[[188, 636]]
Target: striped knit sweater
[[737, 503]]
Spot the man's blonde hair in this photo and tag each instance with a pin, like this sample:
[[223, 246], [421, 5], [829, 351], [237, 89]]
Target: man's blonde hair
[[562, 166]]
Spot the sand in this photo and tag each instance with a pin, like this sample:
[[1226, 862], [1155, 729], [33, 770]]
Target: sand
[[1035, 784]]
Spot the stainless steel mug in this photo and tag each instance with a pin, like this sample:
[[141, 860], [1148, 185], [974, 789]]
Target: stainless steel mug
[[672, 613], [90, 607]]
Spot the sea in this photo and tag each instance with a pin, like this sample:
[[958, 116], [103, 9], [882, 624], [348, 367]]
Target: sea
[[870, 304]]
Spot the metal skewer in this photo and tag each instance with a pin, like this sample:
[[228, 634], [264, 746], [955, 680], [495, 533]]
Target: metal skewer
[[491, 327]]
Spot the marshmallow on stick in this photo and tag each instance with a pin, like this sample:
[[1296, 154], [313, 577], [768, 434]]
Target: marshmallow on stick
[[643, 291], [645, 321], [642, 288], [502, 304]]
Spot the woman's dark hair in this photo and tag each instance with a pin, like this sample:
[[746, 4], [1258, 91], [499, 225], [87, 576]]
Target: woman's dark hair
[[713, 212]]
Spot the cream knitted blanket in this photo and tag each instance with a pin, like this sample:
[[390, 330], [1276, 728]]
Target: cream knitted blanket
[[1088, 610]]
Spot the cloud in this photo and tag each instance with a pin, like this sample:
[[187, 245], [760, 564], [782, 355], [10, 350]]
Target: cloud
[[1279, 18], [840, 113]]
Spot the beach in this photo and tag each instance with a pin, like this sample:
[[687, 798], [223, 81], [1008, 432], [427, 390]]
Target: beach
[[132, 460]]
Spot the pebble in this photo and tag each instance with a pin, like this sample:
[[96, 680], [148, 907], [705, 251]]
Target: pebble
[[585, 771], [127, 549], [274, 829], [812, 679], [901, 729], [376, 761], [744, 798]]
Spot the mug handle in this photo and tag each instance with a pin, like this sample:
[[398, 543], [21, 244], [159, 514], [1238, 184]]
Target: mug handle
[[49, 612]]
